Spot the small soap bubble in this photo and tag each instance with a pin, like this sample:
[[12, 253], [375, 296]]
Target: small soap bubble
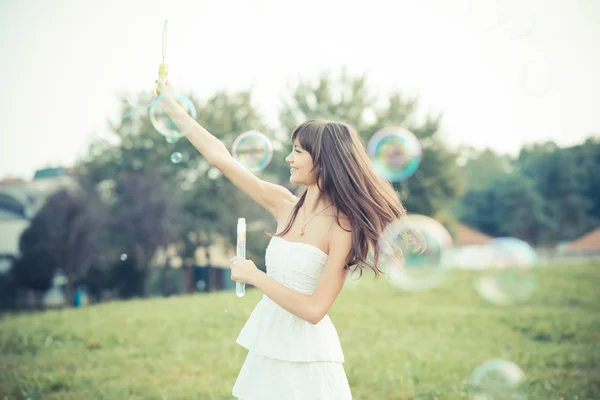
[[139, 99], [497, 380], [253, 150], [176, 157], [201, 285]]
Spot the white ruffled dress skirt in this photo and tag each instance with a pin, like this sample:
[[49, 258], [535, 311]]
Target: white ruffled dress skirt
[[289, 358]]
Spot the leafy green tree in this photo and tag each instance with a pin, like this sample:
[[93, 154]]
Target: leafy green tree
[[437, 183], [142, 216], [481, 167], [63, 236], [562, 180], [509, 205], [198, 198], [587, 159]]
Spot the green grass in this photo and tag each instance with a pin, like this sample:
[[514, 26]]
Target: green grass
[[397, 345]]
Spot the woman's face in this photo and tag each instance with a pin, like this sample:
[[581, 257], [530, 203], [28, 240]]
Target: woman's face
[[301, 165]]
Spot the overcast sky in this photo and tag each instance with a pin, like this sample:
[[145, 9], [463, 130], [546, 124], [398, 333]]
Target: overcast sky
[[502, 72]]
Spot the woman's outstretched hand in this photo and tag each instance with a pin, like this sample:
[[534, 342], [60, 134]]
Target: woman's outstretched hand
[[166, 99], [243, 271], [164, 87]]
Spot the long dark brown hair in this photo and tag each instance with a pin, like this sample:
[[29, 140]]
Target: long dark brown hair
[[345, 176]]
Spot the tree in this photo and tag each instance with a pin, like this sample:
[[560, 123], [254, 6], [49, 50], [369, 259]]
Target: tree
[[563, 180], [142, 217], [437, 183], [212, 204], [63, 235], [200, 199], [481, 167], [509, 205], [587, 159]]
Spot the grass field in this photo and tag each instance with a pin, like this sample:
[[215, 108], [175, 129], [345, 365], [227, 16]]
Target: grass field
[[397, 345]]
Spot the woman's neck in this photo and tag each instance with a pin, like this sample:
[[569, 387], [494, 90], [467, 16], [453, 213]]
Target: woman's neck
[[315, 200]]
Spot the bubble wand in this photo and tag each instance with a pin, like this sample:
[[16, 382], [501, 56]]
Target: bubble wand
[[163, 69], [240, 288]]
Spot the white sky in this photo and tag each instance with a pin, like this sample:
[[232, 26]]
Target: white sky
[[65, 61]]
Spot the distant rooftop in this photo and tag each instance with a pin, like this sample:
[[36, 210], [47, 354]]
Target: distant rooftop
[[588, 242], [466, 235], [50, 173]]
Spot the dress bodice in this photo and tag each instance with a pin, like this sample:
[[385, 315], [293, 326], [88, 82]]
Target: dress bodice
[[274, 332], [294, 264]]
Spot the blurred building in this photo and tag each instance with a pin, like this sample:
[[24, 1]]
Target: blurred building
[[15, 212], [19, 202], [32, 194], [588, 243], [207, 271], [466, 236]]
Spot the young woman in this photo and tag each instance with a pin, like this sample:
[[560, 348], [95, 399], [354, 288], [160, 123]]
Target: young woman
[[294, 352]]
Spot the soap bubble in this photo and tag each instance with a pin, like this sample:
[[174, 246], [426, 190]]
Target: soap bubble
[[166, 125], [474, 257], [137, 100], [253, 150], [511, 274], [176, 157], [395, 153], [411, 250], [497, 380], [201, 285]]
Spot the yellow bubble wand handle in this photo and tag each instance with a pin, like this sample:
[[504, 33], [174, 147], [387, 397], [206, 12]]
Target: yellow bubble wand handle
[[163, 69]]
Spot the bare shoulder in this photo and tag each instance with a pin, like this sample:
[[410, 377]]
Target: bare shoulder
[[340, 242], [343, 223]]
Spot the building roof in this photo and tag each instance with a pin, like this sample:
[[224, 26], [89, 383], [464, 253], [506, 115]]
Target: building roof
[[588, 242], [467, 236], [33, 194], [19, 201]]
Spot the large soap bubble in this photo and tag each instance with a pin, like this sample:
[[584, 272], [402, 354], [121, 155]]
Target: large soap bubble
[[253, 150], [411, 250], [169, 126], [395, 153], [497, 380], [511, 273]]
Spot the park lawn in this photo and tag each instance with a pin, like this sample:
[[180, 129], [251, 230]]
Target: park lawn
[[397, 345]]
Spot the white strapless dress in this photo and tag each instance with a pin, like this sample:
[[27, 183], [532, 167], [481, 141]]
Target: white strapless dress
[[288, 357]]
